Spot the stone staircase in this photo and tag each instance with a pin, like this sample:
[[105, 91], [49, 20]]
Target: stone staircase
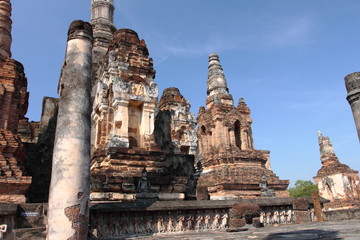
[[30, 222]]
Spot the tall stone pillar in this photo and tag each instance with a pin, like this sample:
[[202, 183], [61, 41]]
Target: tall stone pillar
[[5, 29], [352, 82], [70, 181]]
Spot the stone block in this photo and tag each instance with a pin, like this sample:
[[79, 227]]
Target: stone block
[[302, 217], [166, 189], [236, 222], [244, 209], [202, 193], [15, 199], [97, 196], [122, 196], [301, 204], [179, 188], [147, 196], [256, 223], [171, 196]]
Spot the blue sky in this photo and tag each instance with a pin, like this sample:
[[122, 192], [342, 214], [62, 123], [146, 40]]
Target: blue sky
[[288, 59]]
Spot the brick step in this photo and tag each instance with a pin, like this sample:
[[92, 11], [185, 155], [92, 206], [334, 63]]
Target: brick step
[[30, 233]]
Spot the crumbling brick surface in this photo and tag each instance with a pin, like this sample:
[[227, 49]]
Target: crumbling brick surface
[[28, 131], [13, 107], [243, 209], [12, 179], [79, 222], [301, 217], [133, 54], [179, 123], [301, 204], [13, 96], [242, 213], [120, 172]]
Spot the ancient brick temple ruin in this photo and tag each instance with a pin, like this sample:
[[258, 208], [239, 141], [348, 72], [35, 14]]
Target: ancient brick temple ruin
[[124, 148], [141, 148], [143, 152], [336, 181], [13, 107], [231, 167]]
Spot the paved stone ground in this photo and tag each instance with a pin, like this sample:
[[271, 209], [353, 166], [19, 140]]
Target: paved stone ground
[[348, 230]]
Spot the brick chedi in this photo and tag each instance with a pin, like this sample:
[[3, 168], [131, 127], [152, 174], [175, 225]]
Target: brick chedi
[[124, 115], [182, 121], [124, 106], [336, 181], [231, 167], [13, 107]]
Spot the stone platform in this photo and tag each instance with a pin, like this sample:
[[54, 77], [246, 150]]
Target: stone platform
[[347, 230]]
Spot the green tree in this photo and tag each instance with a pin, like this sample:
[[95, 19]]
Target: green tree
[[302, 188]]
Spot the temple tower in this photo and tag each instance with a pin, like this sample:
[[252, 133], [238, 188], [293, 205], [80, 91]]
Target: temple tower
[[126, 95], [123, 113], [336, 182], [70, 180], [5, 29], [217, 89], [177, 122], [231, 167], [13, 107], [352, 82], [102, 20], [222, 125]]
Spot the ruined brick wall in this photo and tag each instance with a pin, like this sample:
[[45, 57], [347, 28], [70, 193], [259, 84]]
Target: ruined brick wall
[[162, 131], [223, 127], [179, 126], [14, 183], [28, 131], [13, 107], [13, 94], [5, 28]]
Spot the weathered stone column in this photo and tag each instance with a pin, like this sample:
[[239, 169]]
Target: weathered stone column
[[352, 82], [70, 181], [317, 206], [5, 29]]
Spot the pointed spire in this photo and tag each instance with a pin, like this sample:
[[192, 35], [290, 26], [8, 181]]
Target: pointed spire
[[5, 28], [320, 136], [326, 149], [216, 82], [243, 108]]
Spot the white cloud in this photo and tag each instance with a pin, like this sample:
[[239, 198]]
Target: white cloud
[[290, 32]]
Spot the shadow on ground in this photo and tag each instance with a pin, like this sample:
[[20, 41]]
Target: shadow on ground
[[309, 234]]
